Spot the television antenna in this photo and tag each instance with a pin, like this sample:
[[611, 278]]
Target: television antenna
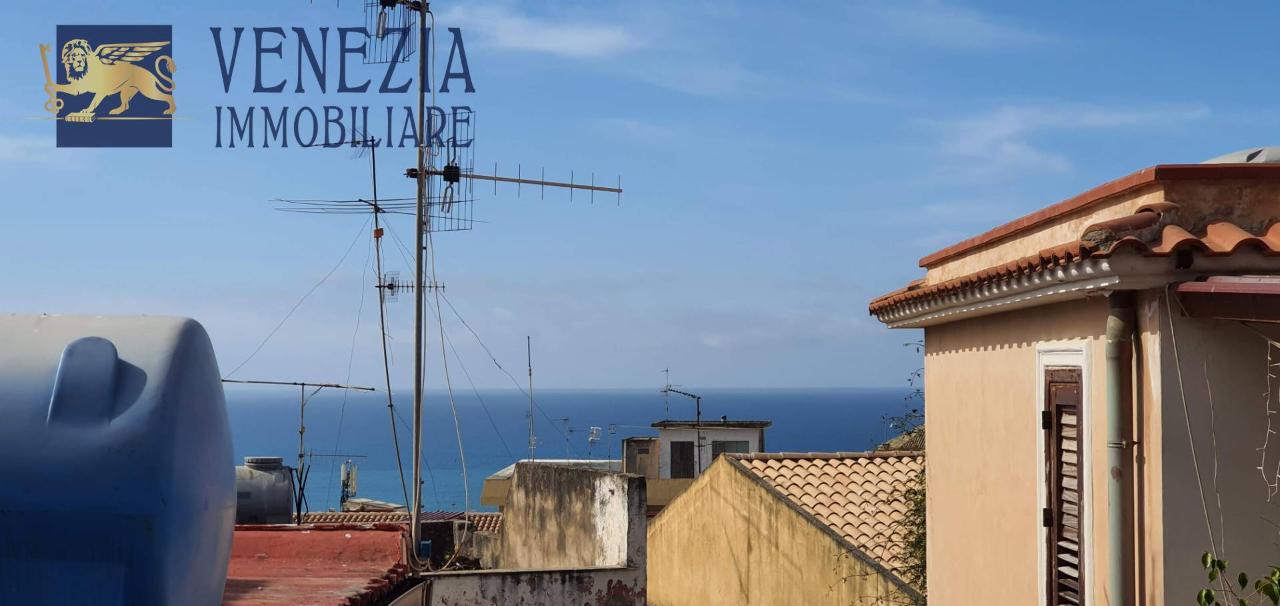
[[455, 182], [568, 431], [593, 436], [304, 469], [533, 440], [697, 424]]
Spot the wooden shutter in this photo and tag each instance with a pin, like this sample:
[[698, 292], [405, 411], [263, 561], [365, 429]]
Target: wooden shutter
[[1064, 515], [682, 460]]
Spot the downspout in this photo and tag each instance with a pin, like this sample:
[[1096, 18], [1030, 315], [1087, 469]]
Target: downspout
[[1121, 323]]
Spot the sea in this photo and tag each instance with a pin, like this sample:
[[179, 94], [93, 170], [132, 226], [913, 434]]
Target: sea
[[494, 431]]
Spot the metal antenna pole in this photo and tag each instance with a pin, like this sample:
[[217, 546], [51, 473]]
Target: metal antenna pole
[[299, 499], [697, 424], [697, 401], [528, 340], [382, 316], [300, 474], [666, 397], [415, 530], [567, 431]]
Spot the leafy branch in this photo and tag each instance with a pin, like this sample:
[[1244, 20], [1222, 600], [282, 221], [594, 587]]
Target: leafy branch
[[1266, 590]]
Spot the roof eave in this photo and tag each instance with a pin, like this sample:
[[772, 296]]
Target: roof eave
[[1088, 277], [1039, 288]]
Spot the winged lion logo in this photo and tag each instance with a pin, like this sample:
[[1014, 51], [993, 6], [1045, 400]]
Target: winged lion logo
[[109, 69]]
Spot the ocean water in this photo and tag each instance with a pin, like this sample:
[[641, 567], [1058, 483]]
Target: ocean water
[[494, 430]]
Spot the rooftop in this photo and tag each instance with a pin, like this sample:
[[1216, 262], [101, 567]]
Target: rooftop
[[597, 464], [338, 564], [1155, 222], [860, 496], [673, 424], [1140, 179]]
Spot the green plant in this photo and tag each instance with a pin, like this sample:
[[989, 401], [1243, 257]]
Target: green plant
[[1266, 590], [914, 550]]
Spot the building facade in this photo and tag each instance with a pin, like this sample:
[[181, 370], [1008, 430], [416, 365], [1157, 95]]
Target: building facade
[[1100, 395]]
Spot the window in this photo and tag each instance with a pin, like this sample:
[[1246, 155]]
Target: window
[[682, 460], [1067, 500], [718, 447]]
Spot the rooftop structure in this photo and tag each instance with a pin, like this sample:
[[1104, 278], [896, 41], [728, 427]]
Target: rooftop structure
[[812, 528], [498, 484], [339, 565], [671, 424]]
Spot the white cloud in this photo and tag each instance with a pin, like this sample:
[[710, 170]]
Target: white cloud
[[940, 25], [646, 133], [1001, 141], [501, 27]]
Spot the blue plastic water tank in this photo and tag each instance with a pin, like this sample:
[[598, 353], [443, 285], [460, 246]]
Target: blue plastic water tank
[[117, 484]]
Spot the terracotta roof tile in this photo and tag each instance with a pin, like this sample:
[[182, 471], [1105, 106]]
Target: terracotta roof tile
[[484, 521], [1140, 234], [858, 495]]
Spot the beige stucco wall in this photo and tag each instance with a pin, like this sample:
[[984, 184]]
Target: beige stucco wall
[[982, 411], [729, 541], [1228, 429]]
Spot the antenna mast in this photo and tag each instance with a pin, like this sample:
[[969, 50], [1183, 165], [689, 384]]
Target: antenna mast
[[697, 400], [666, 399], [303, 470], [533, 441]]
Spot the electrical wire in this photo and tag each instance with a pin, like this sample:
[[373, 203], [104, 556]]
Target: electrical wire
[[474, 390], [514, 381], [346, 392], [299, 303], [435, 493], [458, 358], [1186, 415], [444, 358]]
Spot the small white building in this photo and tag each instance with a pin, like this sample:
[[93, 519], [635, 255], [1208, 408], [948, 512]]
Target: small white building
[[687, 448]]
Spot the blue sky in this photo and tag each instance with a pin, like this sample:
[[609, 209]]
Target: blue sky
[[784, 163]]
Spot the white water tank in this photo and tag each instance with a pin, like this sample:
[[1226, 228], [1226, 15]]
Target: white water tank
[[1252, 155], [264, 491]]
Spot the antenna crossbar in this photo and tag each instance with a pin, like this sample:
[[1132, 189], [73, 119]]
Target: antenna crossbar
[[519, 180], [303, 470]]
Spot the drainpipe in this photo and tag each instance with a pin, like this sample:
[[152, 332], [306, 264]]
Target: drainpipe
[[1121, 322]]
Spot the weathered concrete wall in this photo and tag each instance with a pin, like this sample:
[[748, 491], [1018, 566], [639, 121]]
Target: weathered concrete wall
[[570, 517], [570, 535], [984, 476], [727, 540], [586, 587]]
